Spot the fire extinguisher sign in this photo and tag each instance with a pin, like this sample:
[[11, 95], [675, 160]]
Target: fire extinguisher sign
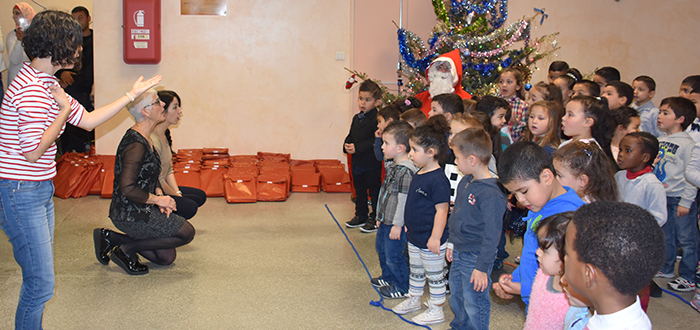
[[139, 36], [142, 31]]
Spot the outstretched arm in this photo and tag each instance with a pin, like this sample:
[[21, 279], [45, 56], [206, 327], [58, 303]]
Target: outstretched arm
[[96, 118]]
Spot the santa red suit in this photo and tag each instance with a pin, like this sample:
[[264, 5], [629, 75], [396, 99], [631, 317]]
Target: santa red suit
[[456, 67]]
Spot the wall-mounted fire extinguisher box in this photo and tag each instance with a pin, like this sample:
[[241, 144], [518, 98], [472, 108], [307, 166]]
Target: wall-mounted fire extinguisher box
[[141, 31]]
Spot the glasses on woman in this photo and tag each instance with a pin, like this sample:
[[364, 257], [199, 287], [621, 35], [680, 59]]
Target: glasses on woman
[[154, 103]]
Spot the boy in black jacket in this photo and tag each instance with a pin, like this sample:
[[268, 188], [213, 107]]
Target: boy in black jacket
[[366, 169]]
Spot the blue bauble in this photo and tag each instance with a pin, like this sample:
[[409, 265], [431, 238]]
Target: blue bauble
[[528, 86]]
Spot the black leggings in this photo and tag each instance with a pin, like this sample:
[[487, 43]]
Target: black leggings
[[159, 251], [189, 203]]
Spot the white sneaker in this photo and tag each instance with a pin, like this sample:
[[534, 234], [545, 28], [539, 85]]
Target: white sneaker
[[664, 275], [432, 315], [409, 305]]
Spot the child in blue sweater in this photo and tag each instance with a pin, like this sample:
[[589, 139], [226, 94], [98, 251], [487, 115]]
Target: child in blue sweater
[[475, 230], [526, 170]]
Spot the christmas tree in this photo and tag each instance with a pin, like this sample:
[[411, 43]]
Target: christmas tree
[[486, 46]]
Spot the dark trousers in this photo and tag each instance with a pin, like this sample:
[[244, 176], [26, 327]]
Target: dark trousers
[[371, 181], [75, 138], [189, 203]]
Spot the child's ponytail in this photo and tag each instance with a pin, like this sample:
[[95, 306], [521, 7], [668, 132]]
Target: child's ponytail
[[433, 135]]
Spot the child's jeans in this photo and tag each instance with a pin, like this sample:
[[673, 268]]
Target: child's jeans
[[427, 264], [681, 232], [472, 309], [391, 257]]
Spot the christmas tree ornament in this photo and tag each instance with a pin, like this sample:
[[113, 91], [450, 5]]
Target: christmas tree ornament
[[528, 86], [351, 81]]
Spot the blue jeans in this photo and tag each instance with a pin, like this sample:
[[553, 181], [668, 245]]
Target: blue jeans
[[472, 309], [391, 257], [681, 232], [27, 218]]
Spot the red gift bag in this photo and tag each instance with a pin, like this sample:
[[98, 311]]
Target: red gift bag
[[91, 175], [275, 157], [332, 167], [281, 171], [108, 184], [220, 162], [212, 181], [107, 162], [325, 162], [68, 178], [272, 188], [188, 178], [243, 168], [295, 170], [306, 182], [301, 163], [216, 151], [336, 181], [244, 159], [240, 188]]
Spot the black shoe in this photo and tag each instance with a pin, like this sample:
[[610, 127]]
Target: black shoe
[[378, 282], [130, 264], [655, 290], [497, 265], [369, 227], [102, 244], [392, 292], [356, 222]]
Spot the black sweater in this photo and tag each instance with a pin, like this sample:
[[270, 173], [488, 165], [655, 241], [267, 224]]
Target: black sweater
[[362, 135]]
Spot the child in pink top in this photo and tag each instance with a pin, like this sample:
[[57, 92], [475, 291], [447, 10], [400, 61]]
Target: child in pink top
[[548, 304]]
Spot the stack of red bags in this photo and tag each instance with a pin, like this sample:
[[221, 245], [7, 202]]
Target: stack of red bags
[[187, 164], [334, 178], [215, 161], [240, 179], [79, 175]]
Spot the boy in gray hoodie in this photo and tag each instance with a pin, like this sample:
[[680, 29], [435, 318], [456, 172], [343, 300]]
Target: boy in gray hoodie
[[680, 230]]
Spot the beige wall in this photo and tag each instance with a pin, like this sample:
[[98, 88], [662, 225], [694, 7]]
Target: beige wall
[[263, 78], [640, 37]]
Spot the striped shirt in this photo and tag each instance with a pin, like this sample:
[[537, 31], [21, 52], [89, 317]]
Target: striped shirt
[[28, 109]]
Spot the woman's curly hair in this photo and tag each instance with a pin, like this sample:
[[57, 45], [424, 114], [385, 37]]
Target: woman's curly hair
[[53, 34]]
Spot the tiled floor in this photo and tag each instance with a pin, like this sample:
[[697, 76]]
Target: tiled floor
[[250, 266]]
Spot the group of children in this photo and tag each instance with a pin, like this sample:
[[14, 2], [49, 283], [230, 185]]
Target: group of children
[[621, 188]]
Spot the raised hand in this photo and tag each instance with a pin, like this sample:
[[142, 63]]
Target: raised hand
[[60, 96], [141, 85]]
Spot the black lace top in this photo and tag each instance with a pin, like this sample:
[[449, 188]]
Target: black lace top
[[136, 170]]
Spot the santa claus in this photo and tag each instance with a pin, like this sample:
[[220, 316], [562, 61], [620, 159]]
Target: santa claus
[[445, 76]]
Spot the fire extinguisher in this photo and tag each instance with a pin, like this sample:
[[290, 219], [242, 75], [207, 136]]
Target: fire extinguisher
[[141, 31]]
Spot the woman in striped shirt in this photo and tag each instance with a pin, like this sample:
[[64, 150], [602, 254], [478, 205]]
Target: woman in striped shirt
[[33, 115]]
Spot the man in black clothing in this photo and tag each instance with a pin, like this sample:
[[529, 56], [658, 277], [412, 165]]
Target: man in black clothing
[[78, 82]]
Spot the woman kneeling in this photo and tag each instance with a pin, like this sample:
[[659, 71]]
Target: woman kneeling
[[139, 208]]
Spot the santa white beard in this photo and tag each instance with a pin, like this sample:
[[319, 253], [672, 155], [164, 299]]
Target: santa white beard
[[440, 83]]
